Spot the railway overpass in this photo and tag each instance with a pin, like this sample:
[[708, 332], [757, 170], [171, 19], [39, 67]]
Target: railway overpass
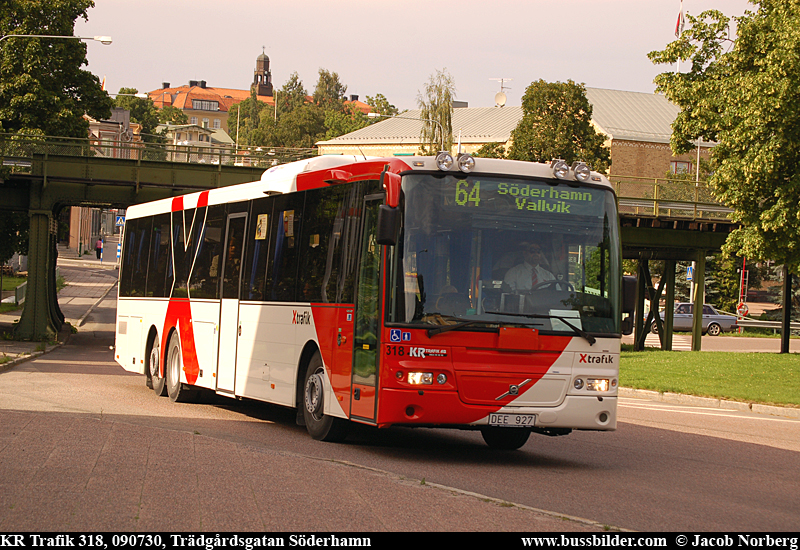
[[660, 219]]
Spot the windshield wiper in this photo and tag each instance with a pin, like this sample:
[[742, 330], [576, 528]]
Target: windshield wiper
[[580, 332], [447, 328]]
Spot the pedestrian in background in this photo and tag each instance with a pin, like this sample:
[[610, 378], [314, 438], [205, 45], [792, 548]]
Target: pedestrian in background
[[98, 247]]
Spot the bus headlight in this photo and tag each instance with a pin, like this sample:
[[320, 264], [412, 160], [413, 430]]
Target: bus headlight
[[444, 161], [420, 378], [597, 384]]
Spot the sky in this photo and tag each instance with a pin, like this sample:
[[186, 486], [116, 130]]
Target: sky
[[391, 47]]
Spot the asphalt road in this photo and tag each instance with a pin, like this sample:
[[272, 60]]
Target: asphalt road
[[666, 468]]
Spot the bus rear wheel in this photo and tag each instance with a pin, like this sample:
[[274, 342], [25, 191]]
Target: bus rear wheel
[[505, 439], [178, 392], [156, 381], [319, 425]]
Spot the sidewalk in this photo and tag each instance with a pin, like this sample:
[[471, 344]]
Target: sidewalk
[[88, 280]]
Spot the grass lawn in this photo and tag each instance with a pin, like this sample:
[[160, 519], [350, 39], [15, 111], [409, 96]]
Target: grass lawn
[[10, 283], [768, 378]]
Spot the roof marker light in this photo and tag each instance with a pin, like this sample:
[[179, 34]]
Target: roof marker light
[[444, 161]]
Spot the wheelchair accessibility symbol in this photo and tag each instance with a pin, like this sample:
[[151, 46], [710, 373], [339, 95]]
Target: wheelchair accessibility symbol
[[395, 335]]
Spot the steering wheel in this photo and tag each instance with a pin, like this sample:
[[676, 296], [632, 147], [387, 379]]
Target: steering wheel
[[544, 284]]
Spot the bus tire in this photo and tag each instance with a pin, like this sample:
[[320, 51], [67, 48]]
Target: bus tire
[[319, 425], [156, 381], [505, 439], [178, 392]]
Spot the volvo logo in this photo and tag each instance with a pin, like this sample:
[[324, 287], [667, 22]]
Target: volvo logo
[[513, 389]]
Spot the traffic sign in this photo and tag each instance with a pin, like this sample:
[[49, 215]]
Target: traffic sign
[[689, 273], [742, 309], [120, 221]]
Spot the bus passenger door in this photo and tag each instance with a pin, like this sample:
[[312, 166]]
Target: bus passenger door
[[366, 331], [229, 328]]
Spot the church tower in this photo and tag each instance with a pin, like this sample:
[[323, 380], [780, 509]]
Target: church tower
[[262, 77]]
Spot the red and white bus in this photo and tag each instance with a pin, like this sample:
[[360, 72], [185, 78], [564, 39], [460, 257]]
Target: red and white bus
[[385, 291]]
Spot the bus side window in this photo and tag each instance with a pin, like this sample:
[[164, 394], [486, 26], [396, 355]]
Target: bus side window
[[157, 284], [346, 255], [204, 281], [320, 241], [259, 239], [128, 254], [141, 257], [285, 229]]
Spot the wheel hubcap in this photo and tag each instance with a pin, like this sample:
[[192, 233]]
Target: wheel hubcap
[[154, 373], [175, 367], [313, 395]]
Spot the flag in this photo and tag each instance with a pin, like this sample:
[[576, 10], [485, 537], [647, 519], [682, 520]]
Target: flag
[[680, 23], [103, 84]]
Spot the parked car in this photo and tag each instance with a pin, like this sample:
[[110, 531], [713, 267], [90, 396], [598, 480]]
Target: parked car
[[714, 322]]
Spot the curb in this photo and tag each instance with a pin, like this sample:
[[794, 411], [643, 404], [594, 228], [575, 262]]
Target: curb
[[8, 365], [711, 402], [63, 336]]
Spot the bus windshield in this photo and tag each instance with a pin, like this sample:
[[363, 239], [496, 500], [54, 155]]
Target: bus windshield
[[480, 252]]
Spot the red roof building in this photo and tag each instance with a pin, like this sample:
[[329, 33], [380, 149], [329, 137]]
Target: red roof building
[[208, 107]]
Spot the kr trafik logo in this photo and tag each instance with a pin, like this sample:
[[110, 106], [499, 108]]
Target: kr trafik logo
[[422, 353], [606, 359], [301, 317]]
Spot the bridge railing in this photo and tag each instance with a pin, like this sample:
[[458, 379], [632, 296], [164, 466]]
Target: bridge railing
[[17, 151], [668, 198]]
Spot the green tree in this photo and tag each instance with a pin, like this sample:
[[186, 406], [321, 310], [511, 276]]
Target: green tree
[[556, 123], [329, 93], [349, 119], [381, 105], [302, 127], [172, 115], [143, 111], [743, 95], [14, 229], [245, 120], [492, 150], [436, 104], [42, 86], [292, 95]]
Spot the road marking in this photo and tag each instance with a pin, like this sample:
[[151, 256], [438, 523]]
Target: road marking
[[679, 343]]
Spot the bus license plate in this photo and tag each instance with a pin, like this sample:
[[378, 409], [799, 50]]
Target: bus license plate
[[512, 420]]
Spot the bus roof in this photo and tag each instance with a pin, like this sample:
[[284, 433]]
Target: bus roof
[[328, 170]]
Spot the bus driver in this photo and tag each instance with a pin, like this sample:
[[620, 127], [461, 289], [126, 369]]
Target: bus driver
[[530, 272]]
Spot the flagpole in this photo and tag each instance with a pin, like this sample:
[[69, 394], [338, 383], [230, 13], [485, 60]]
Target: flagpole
[[678, 30]]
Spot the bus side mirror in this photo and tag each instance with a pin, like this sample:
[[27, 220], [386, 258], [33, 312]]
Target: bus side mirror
[[628, 303], [628, 294], [388, 224]]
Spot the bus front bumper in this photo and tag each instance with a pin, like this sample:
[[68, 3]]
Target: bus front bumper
[[434, 408]]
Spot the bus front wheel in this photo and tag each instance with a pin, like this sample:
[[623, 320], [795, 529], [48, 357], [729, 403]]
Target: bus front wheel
[[505, 439], [319, 425]]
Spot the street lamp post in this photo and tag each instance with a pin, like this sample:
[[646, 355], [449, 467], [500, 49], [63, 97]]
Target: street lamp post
[[441, 129], [105, 40]]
